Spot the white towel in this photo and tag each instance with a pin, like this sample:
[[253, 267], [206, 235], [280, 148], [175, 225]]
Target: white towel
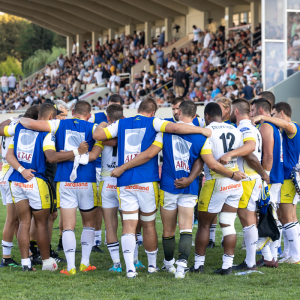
[[79, 160]]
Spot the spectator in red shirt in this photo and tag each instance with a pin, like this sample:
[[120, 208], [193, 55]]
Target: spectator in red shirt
[[205, 66]]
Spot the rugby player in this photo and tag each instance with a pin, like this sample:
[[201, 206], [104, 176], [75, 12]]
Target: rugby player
[[138, 187], [75, 189], [282, 113], [272, 162]]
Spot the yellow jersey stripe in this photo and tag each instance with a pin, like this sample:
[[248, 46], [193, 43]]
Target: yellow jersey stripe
[[6, 131], [158, 144], [205, 151], [11, 146], [107, 133], [49, 148], [249, 139], [163, 126]]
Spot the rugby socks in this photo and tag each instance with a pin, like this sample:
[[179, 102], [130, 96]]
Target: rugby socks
[[294, 241], [250, 237], [286, 243], [87, 242], [266, 252], [227, 261], [274, 250], [279, 225], [199, 261], [185, 244], [33, 247], [6, 248], [128, 245], [26, 262], [169, 247], [69, 245], [298, 227], [98, 234], [212, 232], [136, 252], [113, 249], [152, 255]]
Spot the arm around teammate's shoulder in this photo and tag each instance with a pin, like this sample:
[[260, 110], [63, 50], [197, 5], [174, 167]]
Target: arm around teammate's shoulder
[[180, 128], [38, 125]]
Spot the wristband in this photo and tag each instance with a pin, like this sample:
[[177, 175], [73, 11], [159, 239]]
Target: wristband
[[268, 172], [232, 175], [75, 151], [21, 169]]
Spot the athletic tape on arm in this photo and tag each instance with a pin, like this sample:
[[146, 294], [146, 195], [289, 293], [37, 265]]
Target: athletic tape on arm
[[227, 218]]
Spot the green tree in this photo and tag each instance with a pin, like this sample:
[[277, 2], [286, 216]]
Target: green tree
[[11, 65]]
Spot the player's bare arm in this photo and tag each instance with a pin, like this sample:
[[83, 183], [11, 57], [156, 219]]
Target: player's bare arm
[[38, 125], [254, 163], [95, 152], [2, 126], [266, 132], [180, 128], [112, 143], [99, 134]]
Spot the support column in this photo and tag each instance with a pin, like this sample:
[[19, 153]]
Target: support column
[[95, 39], [129, 29], [254, 9], [168, 30], [69, 41], [228, 18], [79, 41], [203, 20], [148, 38], [111, 33]]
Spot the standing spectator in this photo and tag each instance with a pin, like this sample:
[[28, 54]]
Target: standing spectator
[[112, 80], [205, 65], [179, 82], [196, 32], [151, 63], [4, 83], [161, 40], [247, 91], [173, 62], [12, 82], [136, 41], [207, 39], [223, 77], [74, 48], [159, 57], [98, 76], [61, 61], [258, 87]]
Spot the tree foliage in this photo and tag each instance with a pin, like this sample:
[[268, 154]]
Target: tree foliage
[[11, 65]]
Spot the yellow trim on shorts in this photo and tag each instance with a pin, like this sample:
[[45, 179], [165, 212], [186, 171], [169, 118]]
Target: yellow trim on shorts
[[95, 193], [206, 194], [50, 147], [248, 188], [287, 192], [249, 139], [156, 193], [57, 194], [44, 193], [118, 191], [163, 126], [11, 146], [161, 197], [100, 192], [12, 197], [158, 144], [107, 133]]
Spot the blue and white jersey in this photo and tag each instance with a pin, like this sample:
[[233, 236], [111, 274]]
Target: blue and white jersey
[[291, 151], [229, 122], [69, 134], [196, 121], [180, 153], [135, 135], [29, 147]]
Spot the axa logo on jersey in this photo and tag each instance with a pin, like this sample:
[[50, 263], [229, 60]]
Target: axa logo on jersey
[[181, 153], [26, 144], [73, 139], [133, 143]]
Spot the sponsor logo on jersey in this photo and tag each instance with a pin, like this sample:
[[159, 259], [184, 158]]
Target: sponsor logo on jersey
[[181, 153], [133, 143], [76, 184], [111, 186], [137, 187], [3, 183], [112, 166], [73, 140], [230, 187], [26, 144], [244, 129], [24, 185]]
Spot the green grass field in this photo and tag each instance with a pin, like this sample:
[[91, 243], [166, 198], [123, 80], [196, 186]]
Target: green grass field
[[281, 283]]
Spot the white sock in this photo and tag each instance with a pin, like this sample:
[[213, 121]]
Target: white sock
[[87, 240], [286, 243], [26, 262], [128, 245], [298, 227], [227, 261], [266, 252], [136, 252], [279, 225], [69, 245], [6, 247], [212, 232], [250, 237], [152, 255], [294, 241], [113, 249], [181, 265], [199, 261], [274, 249], [98, 234]]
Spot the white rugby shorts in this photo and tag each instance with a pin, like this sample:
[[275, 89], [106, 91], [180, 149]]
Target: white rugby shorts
[[251, 193], [143, 196], [274, 190], [5, 189], [36, 191], [216, 192], [108, 194], [98, 175], [170, 201], [77, 194]]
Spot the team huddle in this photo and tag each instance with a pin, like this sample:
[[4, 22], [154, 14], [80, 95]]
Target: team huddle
[[106, 163]]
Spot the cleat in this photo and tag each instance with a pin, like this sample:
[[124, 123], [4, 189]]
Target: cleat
[[96, 248], [179, 275], [152, 269], [50, 265], [210, 245], [140, 243], [291, 260], [84, 268], [116, 268], [199, 270], [9, 262], [27, 269], [131, 274], [267, 263], [35, 260], [98, 243], [223, 271], [196, 222], [56, 257], [279, 250], [243, 267], [170, 269], [284, 260], [71, 272], [258, 252], [139, 265]]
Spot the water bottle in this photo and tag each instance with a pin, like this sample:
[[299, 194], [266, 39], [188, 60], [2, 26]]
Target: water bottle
[[248, 272]]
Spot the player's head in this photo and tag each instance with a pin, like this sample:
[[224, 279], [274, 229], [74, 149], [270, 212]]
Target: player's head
[[175, 105], [114, 113], [212, 113], [187, 109], [260, 107], [47, 112], [225, 104], [282, 110], [115, 99], [268, 96], [148, 107], [239, 107], [62, 109], [32, 112], [82, 110]]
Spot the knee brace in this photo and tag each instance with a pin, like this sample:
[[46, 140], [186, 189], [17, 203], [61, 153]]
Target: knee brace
[[148, 218], [227, 218], [134, 216]]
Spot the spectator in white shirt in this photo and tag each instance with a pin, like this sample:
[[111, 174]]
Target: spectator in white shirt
[[12, 82], [54, 72], [196, 32], [98, 76], [207, 39], [4, 83], [173, 62], [223, 77], [86, 78], [296, 42], [112, 80]]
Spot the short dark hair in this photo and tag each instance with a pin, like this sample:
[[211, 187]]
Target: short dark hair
[[82, 107], [188, 108], [115, 98], [268, 96], [285, 107], [114, 112], [262, 103], [32, 112], [148, 105], [47, 109], [213, 109], [243, 105], [177, 100]]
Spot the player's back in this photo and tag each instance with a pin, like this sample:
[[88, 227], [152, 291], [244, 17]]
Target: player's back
[[197, 121], [98, 117]]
